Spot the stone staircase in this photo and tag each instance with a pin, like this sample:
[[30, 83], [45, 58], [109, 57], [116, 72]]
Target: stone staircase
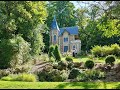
[[40, 66]]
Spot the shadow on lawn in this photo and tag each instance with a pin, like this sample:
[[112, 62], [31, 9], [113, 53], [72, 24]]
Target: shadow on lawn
[[83, 85], [117, 86]]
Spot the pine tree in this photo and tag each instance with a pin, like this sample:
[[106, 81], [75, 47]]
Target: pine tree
[[51, 51], [57, 53]]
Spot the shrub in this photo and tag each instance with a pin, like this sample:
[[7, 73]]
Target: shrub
[[82, 77], [57, 75], [94, 74], [96, 50], [52, 75], [43, 75], [62, 65], [52, 59], [21, 69], [103, 51], [44, 57], [57, 53], [69, 59], [106, 50], [26, 77], [110, 59], [7, 78], [91, 75], [4, 73], [70, 65], [13, 52], [91, 57], [51, 51], [55, 65], [74, 73], [89, 64], [116, 49], [21, 77]]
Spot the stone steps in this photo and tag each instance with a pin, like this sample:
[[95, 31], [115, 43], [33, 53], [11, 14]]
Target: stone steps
[[40, 66]]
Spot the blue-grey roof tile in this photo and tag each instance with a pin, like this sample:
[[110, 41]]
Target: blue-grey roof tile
[[70, 30], [54, 24]]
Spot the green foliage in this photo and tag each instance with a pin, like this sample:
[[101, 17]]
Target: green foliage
[[96, 51], [37, 43], [62, 65], [25, 18], [55, 65], [57, 53], [44, 57], [70, 65], [110, 59], [103, 51], [106, 50], [74, 73], [4, 73], [66, 12], [57, 75], [21, 69], [16, 51], [89, 64], [7, 78], [69, 59], [91, 75], [98, 28], [20, 77], [51, 51], [54, 75], [115, 49], [82, 77], [94, 74], [109, 27], [26, 77], [46, 39]]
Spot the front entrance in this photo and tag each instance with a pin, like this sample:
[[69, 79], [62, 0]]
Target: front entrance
[[65, 48]]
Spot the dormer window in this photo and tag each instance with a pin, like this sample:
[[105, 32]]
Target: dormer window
[[54, 38], [66, 39]]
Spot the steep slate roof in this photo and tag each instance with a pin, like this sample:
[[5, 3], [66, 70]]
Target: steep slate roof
[[54, 24], [70, 30]]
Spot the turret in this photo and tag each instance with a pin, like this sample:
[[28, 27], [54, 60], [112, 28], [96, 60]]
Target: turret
[[54, 32]]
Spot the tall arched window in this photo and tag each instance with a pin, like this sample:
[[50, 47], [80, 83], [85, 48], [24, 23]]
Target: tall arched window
[[54, 38]]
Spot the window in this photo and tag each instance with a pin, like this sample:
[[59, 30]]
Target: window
[[66, 39], [65, 48], [74, 47], [54, 38]]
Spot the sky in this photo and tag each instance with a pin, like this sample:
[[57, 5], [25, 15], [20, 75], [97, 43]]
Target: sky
[[81, 3]]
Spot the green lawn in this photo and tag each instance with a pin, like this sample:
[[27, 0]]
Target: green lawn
[[58, 85], [84, 58]]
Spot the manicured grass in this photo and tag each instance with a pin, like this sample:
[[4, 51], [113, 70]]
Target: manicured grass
[[84, 58], [58, 85]]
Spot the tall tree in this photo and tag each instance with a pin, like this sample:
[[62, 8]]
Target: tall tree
[[64, 11], [22, 17], [65, 14], [89, 31]]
